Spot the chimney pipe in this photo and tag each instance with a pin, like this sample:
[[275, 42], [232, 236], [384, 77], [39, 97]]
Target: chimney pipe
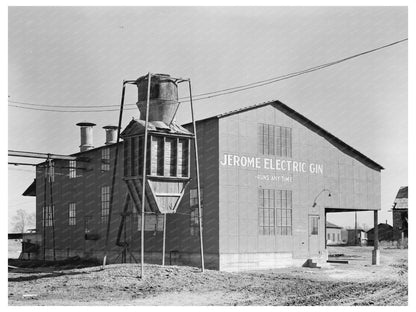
[[86, 135], [110, 134]]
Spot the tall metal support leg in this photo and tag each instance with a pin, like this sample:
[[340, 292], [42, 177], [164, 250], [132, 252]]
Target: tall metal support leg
[[114, 174], [52, 208], [197, 179], [376, 251], [144, 174], [45, 181], [164, 240]]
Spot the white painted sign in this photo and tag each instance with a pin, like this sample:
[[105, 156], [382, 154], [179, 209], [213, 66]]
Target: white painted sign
[[276, 164]]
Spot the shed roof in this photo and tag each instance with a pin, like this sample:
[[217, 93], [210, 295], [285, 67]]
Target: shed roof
[[344, 147], [31, 190]]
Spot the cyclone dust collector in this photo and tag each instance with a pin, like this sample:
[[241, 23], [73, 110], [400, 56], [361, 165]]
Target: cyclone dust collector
[[156, 155]]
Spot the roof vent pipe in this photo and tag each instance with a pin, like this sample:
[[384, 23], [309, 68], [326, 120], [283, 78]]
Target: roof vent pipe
[[86, 135], [110, 134]]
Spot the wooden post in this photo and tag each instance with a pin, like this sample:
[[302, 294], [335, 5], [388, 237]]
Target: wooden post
[[376, 251], [164, 240], [197, 180], [144, 175]]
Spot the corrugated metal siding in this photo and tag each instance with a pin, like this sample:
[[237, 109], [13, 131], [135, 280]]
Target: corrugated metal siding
[[353, 185]]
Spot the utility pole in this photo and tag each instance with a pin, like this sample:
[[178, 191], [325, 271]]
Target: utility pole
[[355, 230]]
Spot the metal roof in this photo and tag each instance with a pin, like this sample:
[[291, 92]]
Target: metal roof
[[344, 147], [137, 126]]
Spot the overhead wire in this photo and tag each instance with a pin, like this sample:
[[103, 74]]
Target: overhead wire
[[212, 94]]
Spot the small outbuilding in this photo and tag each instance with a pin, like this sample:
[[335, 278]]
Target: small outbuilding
[[333, 234], [357, 237], [400, 214], [385, 233]]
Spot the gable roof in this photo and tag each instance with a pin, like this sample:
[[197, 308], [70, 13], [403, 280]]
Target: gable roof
[[403, 192], [401, 200], [381, 227], [332, 225], [342, 146]]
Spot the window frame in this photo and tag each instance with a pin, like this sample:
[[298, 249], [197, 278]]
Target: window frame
[[72, 214], [275, 209], [105, 159], [72, 169], [105, 203], [274, 140]]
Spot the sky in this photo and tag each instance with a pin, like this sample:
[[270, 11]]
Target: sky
[[79, 56]]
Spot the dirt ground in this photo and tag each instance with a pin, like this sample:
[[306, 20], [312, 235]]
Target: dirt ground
[[355, 283]]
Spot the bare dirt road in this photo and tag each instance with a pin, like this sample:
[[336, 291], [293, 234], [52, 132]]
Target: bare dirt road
[[356, 283]]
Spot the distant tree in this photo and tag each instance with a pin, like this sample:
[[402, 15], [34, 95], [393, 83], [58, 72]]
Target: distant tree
[[364, 226], [23, 220]]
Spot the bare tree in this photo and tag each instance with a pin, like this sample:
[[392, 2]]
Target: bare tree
[[365, 226], [23, 220]]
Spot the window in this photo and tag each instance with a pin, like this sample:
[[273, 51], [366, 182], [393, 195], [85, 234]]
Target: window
[[274, 140], [72, 214], [333, 237], [267, 212], [105, 159], [194, 215], [275, 212], [48, 215], [72, 169], [87, 224], [329, 236], [313, 229], [105, 203]]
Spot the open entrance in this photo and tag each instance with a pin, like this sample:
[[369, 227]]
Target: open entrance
[[355, 229]]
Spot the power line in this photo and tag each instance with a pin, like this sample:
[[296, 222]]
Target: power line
[[208, 95], [69, 111], [311, 69], [65, 106]]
